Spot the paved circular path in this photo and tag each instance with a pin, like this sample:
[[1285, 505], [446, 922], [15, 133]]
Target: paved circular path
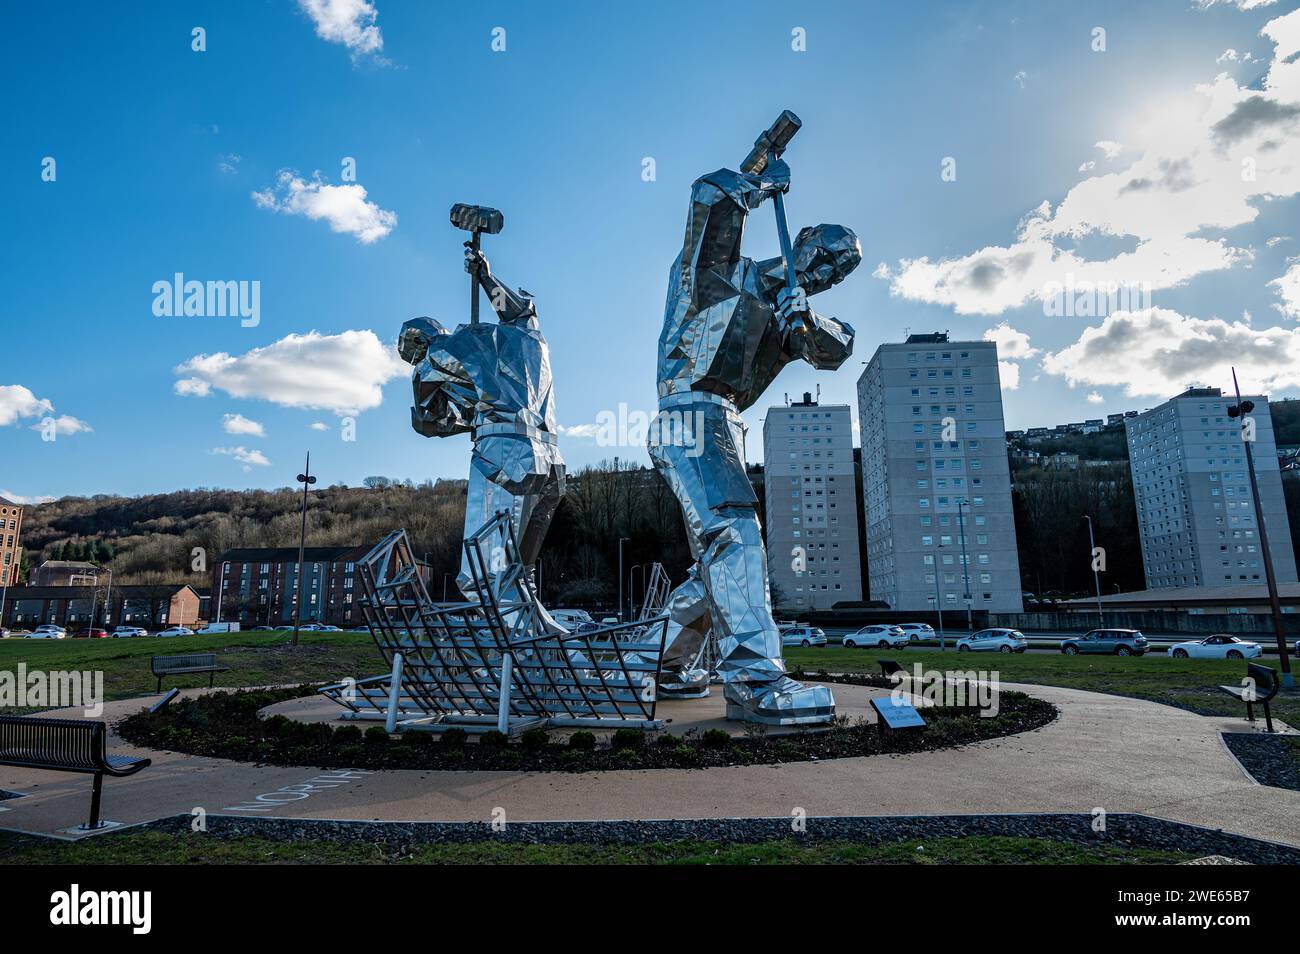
[[1122, 755]]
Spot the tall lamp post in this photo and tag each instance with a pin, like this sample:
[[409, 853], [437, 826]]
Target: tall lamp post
[[965, 564], [306, 479], [621, 541], [1096, 576], [631, 590], [1241, 409], [938, 605]]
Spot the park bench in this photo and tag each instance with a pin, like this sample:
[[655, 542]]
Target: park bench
[[186, 663], [888, 667], [1262, 687], [65, 745]]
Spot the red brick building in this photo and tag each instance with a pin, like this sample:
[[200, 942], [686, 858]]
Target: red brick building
[[11, 546]]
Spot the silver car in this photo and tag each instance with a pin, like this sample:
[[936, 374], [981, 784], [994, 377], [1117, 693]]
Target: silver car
[[880, 636], [996, 640], [803, 636]]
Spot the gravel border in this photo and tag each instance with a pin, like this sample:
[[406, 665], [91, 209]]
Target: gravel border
[[1268, 759], [1130, 829]]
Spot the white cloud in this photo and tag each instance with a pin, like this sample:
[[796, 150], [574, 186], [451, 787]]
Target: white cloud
[[24, 501], [344, 373], [1088, 166], [1277, 240], [350, 22], [319, 426], [579, 430], [1158, 352], [229, 164], [16, 401], [882, 271], [1288, 289], [1020, 77], [1095, 398], [192, 387], [66, 425], [249, 458], [1009, 375], [344, 207], [1239, 4], [1011, 343], [19, 403], [1109, 148], [238, 424], [1186, 186]]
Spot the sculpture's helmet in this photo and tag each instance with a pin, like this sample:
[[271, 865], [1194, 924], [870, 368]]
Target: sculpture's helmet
[[824, 255], [413, 340]]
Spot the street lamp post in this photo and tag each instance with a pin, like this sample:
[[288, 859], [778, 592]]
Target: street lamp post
[[306, 479], [965, 564], [621, 541], [1096, 576], [938, 605], [1241, 409], [221, 587]]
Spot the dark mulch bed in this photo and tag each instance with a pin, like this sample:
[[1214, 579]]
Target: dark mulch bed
[[226, 725], [1270, 759], [1139, 831]]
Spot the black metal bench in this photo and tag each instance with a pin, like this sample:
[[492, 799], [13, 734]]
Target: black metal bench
[[186, 663], [888, 667], [1261, 688], [65, 745]]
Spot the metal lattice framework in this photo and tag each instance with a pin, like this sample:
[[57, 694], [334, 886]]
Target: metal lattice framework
[[495, 662], [656, 593]]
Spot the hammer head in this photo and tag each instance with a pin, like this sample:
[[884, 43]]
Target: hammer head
[[477, 218], [774, 140]]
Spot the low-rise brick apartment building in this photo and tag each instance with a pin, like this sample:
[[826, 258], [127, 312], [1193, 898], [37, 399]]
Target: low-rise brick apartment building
[[11, 542], [147, 605], [256, 586]]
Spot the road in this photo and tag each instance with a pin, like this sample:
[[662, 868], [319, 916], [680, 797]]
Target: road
[[1050, 642]]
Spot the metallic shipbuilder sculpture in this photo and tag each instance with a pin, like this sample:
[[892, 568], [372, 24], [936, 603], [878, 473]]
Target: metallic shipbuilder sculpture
[[492, 381], [730, 325], [498, 658]]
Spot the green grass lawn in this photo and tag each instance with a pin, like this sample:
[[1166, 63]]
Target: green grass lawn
[[255, 659], [1186, 683], [152, 847]]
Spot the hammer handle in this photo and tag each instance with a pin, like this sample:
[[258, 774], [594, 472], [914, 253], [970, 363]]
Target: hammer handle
[[473, 284], [787, 252]]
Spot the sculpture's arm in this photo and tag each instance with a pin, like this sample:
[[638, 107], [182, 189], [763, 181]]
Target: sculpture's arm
[[823, 342], [444, 395], [720, 201], [507, 303]]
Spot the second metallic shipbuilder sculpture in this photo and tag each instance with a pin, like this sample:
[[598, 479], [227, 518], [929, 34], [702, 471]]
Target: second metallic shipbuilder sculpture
[[492, 381], [730, 325]]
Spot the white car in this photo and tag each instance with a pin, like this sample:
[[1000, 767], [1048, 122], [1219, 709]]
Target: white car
[[128, 632], [996, 640], [1219, 646], [177, 631], [803, 636], [48, 631], [881, 636], [917, 631]]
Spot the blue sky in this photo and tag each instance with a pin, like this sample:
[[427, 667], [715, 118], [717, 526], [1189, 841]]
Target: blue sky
[[161, 153]]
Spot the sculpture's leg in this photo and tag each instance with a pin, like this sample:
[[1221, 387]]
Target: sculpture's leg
[[707, 475], [688, 627]]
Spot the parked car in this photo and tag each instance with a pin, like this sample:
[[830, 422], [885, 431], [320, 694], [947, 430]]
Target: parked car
[[571, 619], [1116, 642], [803, 636], [128, 632], [92, 632], [917, 631], [4, 633], [48, 631], [326, 628], [219, 629], [265, 629], [995, 640], [882, 636], [177, 631], [1218, 646], [308, 627]]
